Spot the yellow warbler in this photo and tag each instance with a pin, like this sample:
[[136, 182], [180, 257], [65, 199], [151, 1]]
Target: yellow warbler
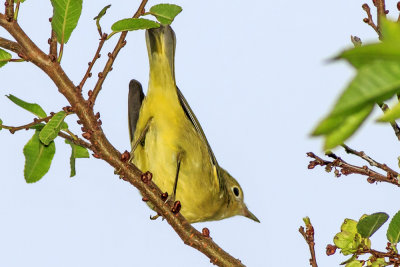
[[168, 141]]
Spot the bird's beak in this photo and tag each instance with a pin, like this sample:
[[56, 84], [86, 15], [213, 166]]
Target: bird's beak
[[248, 214]]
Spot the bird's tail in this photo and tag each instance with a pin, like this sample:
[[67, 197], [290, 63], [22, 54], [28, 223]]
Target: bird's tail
[[161, 47]]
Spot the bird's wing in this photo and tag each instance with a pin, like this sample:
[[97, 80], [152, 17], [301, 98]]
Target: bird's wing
[[190, 114], [135, 98]]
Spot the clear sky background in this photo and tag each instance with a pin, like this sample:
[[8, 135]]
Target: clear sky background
[[256, 74]]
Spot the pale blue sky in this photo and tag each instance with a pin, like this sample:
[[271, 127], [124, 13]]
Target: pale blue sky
[[257, 77]]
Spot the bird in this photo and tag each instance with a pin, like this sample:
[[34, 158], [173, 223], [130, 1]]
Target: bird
[[167, 140]]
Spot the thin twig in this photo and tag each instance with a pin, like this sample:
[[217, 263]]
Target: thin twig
[[369, 20], [76, 141], [398, 9], [380, 12], [346, 169], [111, 57], [53, 46], [371, 161], [308, 235], [394, 125], [9, 10], [91, 64], [36, 121]]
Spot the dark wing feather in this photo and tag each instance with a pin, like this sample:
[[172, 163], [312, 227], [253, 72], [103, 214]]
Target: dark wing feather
[[135, 98], [190, 114]]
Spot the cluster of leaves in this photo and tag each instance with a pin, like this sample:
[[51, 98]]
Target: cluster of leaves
[[354, 239], [377, 79], [66, 14], [40, 149]]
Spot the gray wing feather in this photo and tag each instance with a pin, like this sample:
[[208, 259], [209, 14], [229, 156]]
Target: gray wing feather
[[135, 98]]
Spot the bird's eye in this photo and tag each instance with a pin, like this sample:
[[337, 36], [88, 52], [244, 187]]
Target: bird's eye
[[236, 191]]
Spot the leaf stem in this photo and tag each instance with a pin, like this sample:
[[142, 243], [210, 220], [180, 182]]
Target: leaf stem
[[16, 10]]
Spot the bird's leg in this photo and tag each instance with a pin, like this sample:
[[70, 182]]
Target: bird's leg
[[142, 136], [178, 166]]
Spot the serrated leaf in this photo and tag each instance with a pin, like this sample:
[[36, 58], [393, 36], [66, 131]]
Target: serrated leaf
[[367, 226], [165, 13], [4, 57], [393, 232], [51, 129], [31, 107], [102, 12], [38, 158], [347, 127], [77, 152], [133, 25], [66, 14]]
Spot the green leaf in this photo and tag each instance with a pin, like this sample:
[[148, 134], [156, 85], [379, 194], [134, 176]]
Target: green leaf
[[38, 126], [165, 13], [391, 114], [77, 152], [390, 30], [367, 226], [373, 83], [133, 25], [388, 50], [354, 263], [51, 129], [102, 13], [31, 107], [393, 232], [367, 54], [347, 127], [4, 57], [66, 14], [64, 126], [1, 123], [38, 158]]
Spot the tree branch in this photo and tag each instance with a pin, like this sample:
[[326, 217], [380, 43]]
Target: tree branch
[[77, 141], [346, 169], [103, 148], [36, 121], [309, 237], [371, 161], [369, 20], [91, 64], [111, 57], [394, 125], [9, 4], [10, 45], [53, 46]]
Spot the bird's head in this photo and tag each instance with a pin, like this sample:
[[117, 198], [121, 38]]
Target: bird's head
[[236, 205]]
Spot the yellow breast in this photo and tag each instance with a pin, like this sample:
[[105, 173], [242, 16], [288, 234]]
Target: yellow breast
[[171, 134]]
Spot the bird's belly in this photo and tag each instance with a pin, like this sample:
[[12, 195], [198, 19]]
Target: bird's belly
[[167, 140]]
